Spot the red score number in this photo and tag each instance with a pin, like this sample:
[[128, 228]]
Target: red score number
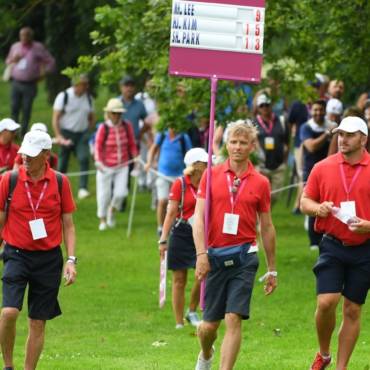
[[258, 16]]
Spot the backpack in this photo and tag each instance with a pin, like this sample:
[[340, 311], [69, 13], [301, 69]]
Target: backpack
[[106, 132], [13, 179], [182, 142], [65, 100]]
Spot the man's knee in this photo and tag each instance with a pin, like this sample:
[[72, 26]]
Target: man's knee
[[327, 302], [351, 310], [233, 321], [9, 314], [208, 328], [37, 327]]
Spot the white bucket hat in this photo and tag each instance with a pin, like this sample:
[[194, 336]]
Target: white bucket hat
[[114, 105]]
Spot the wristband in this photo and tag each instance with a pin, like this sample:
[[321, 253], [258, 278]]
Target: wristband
[[268, 273], [162, 241], [72, 259], [199, 254]]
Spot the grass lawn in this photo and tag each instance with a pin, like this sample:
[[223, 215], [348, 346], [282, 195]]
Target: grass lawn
[[111, 317]]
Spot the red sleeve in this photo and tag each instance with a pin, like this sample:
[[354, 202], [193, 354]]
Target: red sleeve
[[202, 186], [265, 201], [99, 138], [131, 140], [175, 192], [18, 159], [312, 188], [4, 189], [68, 203]]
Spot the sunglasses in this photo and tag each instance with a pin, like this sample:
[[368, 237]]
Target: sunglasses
[[264, 105], [236, 184]]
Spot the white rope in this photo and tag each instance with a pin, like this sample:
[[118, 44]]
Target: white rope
[[287, 187]]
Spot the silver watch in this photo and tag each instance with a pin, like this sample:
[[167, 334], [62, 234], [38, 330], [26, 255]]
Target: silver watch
[[72, 259]]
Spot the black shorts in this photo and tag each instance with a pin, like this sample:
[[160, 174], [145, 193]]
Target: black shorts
[[181, 249], [229, 290], [41, 271], [343, 269]]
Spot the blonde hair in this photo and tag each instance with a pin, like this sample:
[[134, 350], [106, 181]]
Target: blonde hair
[[242, 127]]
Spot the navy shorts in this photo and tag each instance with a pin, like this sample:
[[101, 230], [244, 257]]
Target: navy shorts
[[181, 249], [41, 271], [229, 289], [343, 269]]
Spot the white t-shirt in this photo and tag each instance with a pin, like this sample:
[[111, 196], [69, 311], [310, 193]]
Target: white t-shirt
[[76, 112]]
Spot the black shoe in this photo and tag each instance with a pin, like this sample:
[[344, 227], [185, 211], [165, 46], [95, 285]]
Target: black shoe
[[8, 368]]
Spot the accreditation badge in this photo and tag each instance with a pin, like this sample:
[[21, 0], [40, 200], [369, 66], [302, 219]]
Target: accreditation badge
[[38, 229], [349, 208], [22, 64], [269, 143], [231, 224]]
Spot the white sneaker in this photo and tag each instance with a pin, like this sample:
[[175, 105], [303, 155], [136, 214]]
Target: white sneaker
[[314, 247], [193, 318], [203, 364], [102, 226], [111, 219], [179, 326], [83, 193]]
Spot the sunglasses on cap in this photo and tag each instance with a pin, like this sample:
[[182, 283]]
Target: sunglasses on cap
[[263, 105]]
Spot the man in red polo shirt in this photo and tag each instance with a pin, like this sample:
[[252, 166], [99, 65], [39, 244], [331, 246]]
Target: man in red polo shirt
[[337, 193], [32, 223], [239, 195], [8, 150]]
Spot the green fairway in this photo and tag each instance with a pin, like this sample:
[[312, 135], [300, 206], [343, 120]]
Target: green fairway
[[111, 317]]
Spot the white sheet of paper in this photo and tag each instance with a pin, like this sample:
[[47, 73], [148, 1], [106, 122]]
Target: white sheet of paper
[[22, 64], [341, 215], [269, 143], [231, 223], [38, 229], [349, 208]]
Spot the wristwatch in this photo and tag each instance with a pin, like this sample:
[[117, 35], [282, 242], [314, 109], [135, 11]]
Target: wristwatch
[[72, 259], [162, 241]]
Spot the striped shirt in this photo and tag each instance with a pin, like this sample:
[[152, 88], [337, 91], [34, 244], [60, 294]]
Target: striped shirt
[[114, 148]]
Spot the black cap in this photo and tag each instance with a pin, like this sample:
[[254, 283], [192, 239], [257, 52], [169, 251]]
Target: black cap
[[127, 80]]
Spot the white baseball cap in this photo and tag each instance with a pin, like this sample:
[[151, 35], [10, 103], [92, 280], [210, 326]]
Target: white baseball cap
[[8, 124], [195, 155], [263, 99], [334, 106], [34, 142], [352, 124], [39, 127]]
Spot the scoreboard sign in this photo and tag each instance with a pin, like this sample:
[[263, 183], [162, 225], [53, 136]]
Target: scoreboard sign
[[222, 39]]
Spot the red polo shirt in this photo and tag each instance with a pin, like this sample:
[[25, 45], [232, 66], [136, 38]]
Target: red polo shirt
[[7, 155], [253, 199], [325, 184], [189, 196], [17, 231]]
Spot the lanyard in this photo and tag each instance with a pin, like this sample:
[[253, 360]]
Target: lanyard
[[268, 129], [193, 192], [354, 178], [234, 197], [34, 209]]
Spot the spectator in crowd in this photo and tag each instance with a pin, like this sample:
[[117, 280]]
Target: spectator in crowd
[[170, 147], [35, 212], [334, 110], [134, 108], [315, 136], [336, 89], [181, 250], [337, 194], [230, 263], [114, 147], [298, 114], [273, 139], [29, 62], [8, 149], [73, 116], [53, 158]]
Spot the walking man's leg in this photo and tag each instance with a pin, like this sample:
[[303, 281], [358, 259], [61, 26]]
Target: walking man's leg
[[207, 333], [15, 101], [35, 343], [8, 321], [232, 340], [325, 319], [83, 157], [348, 333]]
